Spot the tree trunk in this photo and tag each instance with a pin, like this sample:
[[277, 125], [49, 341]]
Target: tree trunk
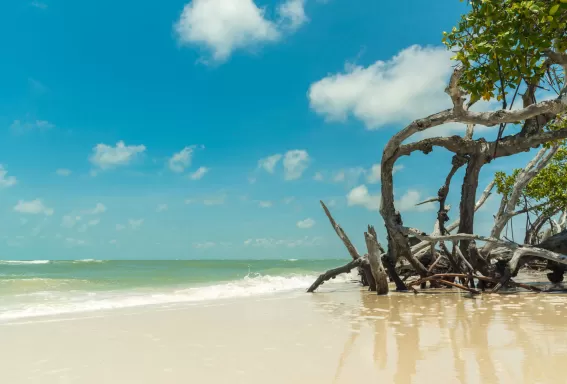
[[468, 197], [374, 257]]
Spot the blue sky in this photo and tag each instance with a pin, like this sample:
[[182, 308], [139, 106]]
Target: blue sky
[[211, 128]]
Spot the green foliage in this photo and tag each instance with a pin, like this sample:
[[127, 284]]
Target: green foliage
[[499, 43], [549, 185]]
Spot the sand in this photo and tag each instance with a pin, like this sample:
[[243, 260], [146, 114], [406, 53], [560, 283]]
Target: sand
[[345, 336]]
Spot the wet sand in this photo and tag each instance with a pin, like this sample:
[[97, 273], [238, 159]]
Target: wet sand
[[345, 336]]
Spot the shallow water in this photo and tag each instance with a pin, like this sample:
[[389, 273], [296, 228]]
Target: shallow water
[[342, 334]]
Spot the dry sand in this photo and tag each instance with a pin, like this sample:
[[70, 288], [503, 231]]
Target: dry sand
[[346, 336]]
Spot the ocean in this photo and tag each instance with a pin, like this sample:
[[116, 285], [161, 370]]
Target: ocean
[[49, 287]]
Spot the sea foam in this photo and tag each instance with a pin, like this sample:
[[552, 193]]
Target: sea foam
[[85, 301]]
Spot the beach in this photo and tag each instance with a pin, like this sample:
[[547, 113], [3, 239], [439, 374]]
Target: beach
[[342, 334]]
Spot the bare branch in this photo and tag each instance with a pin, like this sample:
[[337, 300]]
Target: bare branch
[[454, 91], [431, 200], [341, 233], [509, 203], [470, 132]]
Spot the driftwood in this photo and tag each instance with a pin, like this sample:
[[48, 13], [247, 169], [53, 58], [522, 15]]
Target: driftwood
[[497, 259], [375, 260], [331, 274]]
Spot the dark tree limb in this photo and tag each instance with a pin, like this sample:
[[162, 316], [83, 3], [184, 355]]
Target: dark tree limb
[[332, 273], [341, 233]]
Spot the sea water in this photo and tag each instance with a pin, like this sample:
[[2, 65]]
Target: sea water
[[48, 287]]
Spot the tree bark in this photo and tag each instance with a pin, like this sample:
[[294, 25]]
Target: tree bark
[[332, 273], [374, 257], [468, 197]]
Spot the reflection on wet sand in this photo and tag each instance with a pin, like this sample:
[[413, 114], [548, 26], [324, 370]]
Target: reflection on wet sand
[[457, 339]]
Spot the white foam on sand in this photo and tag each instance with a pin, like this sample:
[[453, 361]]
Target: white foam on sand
[[83, 301]]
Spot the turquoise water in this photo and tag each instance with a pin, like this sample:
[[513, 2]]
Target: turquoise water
[[42, 287]]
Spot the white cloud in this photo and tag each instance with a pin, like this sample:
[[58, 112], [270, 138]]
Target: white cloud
[[349, 175], [295, 163], [292, 14], [161, 208], [205, 245], [90, 223], [269, 163], [108, 157], [63, 172], [288, 200], [6, 181], [135, 224], [113, 241], [291, 243], [19, 126], [305, 224], [182, 159], [374, 173], [409, 200], [318, 176], [265, 204], [34, 207], [361, 196], [99, 208], [69, 221], [120, 227], [408, 86], [199, 173], [223, 26]]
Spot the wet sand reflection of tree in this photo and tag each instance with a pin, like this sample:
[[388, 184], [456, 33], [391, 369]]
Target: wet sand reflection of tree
[[467, 322]]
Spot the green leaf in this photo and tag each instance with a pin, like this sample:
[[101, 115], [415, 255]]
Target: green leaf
[[553, 10]]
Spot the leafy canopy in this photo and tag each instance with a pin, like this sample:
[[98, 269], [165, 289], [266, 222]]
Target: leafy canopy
[[501, 43]]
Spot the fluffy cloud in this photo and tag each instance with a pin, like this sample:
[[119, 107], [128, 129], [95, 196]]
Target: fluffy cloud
[[288, 200], [408, 86], [69, 221], [135, 224], [63, 172], [409, 200], [361, 196], [34, 207], [199, 173], [295, 163], [292, 14], [182, 159], [318, 176], [291, 243], [39, 5], [223, 26], [88, 224], [269, 163], [374, 173], [5, 180], [108, 157], [161, 208], [305, 224], [99, 208], [265, 204], [120, 227]]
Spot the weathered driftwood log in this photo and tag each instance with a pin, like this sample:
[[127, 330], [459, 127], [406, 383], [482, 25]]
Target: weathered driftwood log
[[375, 260], [332, 273], [363, 271], [341, 233]]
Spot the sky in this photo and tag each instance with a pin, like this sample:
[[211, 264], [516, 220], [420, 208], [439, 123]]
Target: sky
[[212, 128]]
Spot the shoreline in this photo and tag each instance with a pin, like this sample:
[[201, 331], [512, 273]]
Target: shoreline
[[340, 335]]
